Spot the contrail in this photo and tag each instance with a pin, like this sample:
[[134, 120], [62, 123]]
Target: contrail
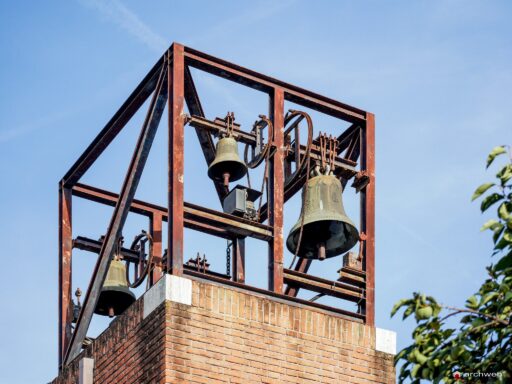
[[116, 12]]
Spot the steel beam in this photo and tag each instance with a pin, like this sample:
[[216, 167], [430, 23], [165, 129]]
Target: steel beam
[[196, 217], [368, 216], [176, 84], [90, 245], [121, 210], [276, 193], [352, 276], [324, 286], [267, 84], [156, 220], [239, 135], [65, 252]]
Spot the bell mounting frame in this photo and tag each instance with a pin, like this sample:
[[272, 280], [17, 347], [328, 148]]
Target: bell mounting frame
[[170, 82]]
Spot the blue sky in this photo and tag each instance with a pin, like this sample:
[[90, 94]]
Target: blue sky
[[436, 74]]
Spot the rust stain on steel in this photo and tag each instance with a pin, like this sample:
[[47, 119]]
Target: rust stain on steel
[[368, 216], [65, 250], [176, 84], [276, 193], [156, 233]]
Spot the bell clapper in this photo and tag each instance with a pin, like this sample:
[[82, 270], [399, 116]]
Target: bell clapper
[[225, 177], [321, 251], [111, 312], [78, 293]]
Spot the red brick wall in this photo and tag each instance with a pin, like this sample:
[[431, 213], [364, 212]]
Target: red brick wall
[[130, 350], [237, 337]]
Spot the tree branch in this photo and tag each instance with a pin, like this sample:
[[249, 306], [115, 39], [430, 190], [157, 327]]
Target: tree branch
[[467, 310]]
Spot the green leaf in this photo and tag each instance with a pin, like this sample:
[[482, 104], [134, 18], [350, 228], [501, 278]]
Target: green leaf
[[420, 357], [414, 372], [490, 200], [502, 244], [490, 224], [489, 297], [503, 212], [472, 302], [477, 322], [398, 305], [480, 190], [496, 151], [408, 312], [505, 174], [425, 373], [505, 262]]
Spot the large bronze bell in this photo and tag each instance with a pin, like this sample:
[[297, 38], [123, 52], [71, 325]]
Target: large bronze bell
[[115, 296], [227, 165], [327, 230]]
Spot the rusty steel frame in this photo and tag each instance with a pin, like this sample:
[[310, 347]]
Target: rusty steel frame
[[177, 88]]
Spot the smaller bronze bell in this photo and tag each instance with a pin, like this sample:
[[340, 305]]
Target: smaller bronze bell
[[115, 296], [227, 165]]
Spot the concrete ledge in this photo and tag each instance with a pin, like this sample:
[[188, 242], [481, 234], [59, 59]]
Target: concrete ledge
[[169, 287], [385, 341], [86, 371]]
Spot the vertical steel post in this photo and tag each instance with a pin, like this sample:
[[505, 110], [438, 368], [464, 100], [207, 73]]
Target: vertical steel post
[[156, 234], [368, 216], [65, 283], [176, 85], [276, 193], [238, 260]]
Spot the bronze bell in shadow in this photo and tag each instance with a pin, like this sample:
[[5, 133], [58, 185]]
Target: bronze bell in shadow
[[227, 165], [327, 230], [115, 296]]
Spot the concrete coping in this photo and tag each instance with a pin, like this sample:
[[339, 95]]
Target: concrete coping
[[169, 287]]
